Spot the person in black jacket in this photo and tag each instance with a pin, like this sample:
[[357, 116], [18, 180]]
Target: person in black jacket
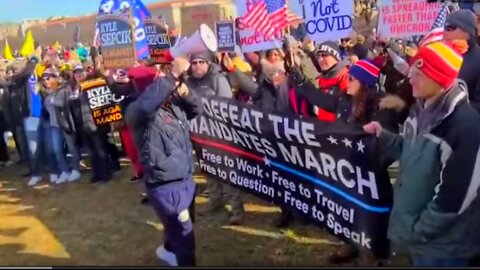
[[159, 120], [461, 25]]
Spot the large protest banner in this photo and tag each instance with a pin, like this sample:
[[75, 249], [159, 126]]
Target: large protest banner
[[225, 32], [158, 39], [406, 18], [104, 105], [328, 174], [328, 19], [118, 44], [192, 17]]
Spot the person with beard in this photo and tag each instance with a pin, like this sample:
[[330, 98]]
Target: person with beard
[[205, 79]]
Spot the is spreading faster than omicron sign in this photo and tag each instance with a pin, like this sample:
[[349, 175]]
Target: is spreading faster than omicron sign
[[406, 18]]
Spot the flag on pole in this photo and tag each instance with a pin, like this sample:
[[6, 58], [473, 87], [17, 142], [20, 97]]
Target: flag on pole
[[28, 46], [96, 39], [7, 52], [294, 18], [436, 32], [267, 16], [76, 35]]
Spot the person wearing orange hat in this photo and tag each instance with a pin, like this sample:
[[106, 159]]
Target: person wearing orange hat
[[436, 209]]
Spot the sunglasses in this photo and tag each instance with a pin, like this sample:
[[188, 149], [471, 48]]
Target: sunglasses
[[322, 55], [198, 63], [450, 28]]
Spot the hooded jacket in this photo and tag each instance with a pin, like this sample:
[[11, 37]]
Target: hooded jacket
[[436, 210]]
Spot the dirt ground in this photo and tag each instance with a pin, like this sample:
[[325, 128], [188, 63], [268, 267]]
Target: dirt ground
[[104, 224]]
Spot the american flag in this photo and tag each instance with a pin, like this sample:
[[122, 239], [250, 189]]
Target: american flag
[[436, 32], [294, 18], [96, 39], [267, 16]]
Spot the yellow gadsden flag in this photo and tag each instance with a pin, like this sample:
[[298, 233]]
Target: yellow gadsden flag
[[28, 46], [7, 52]]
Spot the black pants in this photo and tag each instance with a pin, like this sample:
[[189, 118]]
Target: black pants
[[4, 157], [20, 138], [103, 155]]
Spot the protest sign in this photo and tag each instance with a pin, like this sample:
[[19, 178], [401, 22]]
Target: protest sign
[[328, 19], [193, 16], [406, 18], [104, 105], [250, 39], [158, 39], [225, 32], [139, 12], [327, 174], [118, 44]]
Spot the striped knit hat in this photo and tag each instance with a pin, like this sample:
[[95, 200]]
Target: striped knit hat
[[441, 61], [366, 72]]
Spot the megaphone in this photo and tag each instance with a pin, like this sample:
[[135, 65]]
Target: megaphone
[[202, 40]]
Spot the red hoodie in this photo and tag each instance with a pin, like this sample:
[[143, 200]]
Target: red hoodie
[[142, 76]]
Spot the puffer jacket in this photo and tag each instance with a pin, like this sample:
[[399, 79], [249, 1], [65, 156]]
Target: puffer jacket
[[436, 209], [214, 83], [159, 123]]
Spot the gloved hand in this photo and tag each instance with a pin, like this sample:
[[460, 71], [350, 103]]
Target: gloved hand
[[296, 76]]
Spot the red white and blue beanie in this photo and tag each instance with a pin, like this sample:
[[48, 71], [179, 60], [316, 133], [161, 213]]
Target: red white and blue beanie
[[366, 72]]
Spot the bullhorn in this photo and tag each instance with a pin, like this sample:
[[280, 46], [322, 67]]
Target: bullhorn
[[202, 40]]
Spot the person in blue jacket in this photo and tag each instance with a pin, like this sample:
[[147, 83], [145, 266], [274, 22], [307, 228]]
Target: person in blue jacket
[[158, 119]]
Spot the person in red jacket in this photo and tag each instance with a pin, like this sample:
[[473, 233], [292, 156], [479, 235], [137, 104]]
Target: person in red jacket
[[333, 79]]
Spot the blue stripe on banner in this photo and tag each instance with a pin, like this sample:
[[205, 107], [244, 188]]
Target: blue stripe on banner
[[331, 188]]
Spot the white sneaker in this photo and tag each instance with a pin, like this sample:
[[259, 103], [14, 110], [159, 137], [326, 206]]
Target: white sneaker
[[169, 257], [53, 178], [7, 164], [62, 178], [34, 180], [74, 176]]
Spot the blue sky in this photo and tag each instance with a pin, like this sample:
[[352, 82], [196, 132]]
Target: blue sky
[[16, 10]]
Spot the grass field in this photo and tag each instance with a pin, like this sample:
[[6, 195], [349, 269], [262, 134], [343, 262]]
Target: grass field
[[91, 224]]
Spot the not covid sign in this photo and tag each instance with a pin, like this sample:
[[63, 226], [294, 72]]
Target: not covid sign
[[328, 19]]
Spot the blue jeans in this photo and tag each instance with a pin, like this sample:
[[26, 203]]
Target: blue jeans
[[437, 262], [73, 149], [57, 161], [35, 137], [172, 203]]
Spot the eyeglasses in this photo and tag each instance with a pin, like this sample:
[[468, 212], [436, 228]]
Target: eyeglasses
[[198, 63], [46, 78], [450, 28]]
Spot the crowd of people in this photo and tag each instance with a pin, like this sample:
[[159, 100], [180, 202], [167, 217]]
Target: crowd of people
[[422, 102]]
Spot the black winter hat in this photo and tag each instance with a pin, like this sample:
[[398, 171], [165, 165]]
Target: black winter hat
[[329, 47], [463, 19], [360, 50]]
